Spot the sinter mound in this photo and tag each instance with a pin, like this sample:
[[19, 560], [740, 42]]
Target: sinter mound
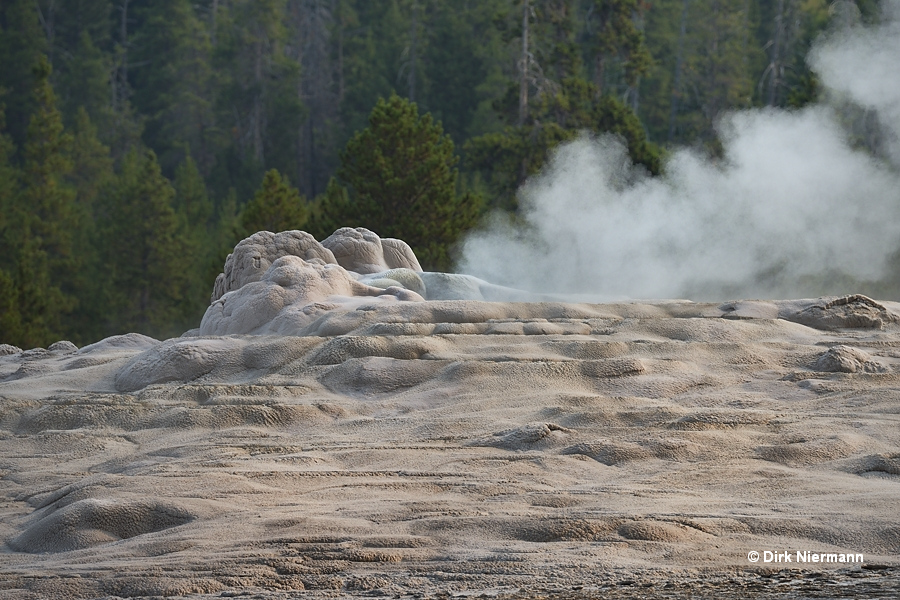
[[348, 425]]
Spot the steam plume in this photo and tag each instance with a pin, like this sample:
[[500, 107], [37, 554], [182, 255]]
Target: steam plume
[[793, 209]]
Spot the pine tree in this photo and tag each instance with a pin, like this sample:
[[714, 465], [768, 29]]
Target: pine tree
[[29, 313], [311, 23], [22, 43], [9, 177], [371, 38], [277, 206], [92, 177], [718, 70], [191, 199], [145, 252], [400, 176], [616, 38], [559, 108], [84, 84], [452, 69], [49, 198], [40, 218], [82, 57], [226, 233], [175, 87], [331, 211], [258, 101], [262, 91], [195, 216], [11, 326]]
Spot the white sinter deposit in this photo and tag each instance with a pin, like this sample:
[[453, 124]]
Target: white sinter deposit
[[408, 438], [281, 283]]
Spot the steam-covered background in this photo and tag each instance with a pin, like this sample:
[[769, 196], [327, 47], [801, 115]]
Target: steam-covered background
[[795, 205]]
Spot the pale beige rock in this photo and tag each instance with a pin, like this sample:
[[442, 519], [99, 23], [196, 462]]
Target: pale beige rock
[[844, 359], [406, 278], [62, 347], [290, 295], [92, 522], [846, 312], [330, 432], [435, 448], [362, 251], [7, 349], [128, 341], [253, 256], [351, 263]]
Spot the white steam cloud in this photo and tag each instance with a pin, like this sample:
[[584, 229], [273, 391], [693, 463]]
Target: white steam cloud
[[793, 209]]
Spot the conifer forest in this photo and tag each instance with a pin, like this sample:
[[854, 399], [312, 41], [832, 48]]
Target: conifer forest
[[140, 140]]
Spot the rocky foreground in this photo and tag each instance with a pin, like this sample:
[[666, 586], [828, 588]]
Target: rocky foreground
[[395, 445]]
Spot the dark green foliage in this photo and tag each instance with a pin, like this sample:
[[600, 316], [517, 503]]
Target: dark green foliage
[[508, 158], [40, 217], [144, 252], [10, 316], [277, 206], [48, 199], [258, 99], [612, 116], [805, 91], [196, 221], [332, 211], [91, 177], [22, 43], [174, 83], [12, 328], [191, 199], [97, 238], [400, 176], [84, 84], [454, 71], [614, 37], [33, 314], [371, 36], [225, 233]]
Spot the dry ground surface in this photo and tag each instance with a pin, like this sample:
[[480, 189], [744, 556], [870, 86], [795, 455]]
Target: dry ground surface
[[463, 449]]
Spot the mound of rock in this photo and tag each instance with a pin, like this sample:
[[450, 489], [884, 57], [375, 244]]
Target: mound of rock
[[358, 250], [284, 283], [253, 256], [281, 283], [93, 521], [847, 312], [845, 359], [362, 251], [7, 349]]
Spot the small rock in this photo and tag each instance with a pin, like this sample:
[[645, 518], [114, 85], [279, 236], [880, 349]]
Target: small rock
[[844, 359], [7, 349], [847, 312], [63, 347]]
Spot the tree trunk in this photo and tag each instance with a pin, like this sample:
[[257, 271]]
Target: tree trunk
[[679, 67], [340, 50], [120, 66], [256, 116], [123, 35], [523, 83], [413, 34], [313, 160], [714, 101], [214, 25], [47, 25], [775, 63]]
